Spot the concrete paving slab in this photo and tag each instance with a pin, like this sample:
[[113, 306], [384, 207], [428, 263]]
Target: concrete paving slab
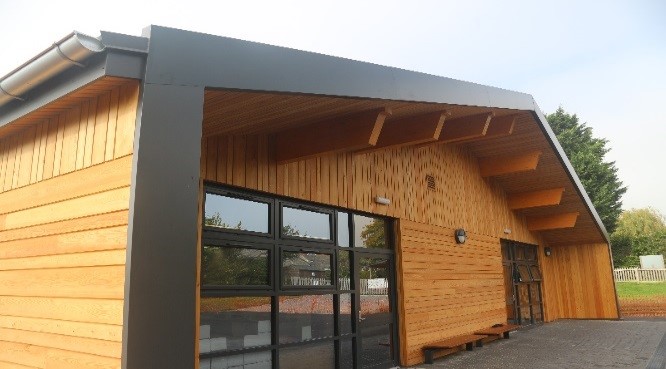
[[570, 344]]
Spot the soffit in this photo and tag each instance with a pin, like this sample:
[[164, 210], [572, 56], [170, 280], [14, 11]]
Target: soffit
[[242, 112], [95, 88]]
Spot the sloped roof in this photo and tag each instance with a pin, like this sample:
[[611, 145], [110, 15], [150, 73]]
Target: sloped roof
[[244, 71]]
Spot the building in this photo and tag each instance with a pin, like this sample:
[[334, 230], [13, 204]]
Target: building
[[182, 200]]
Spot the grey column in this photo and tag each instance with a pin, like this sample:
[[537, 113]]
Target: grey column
[[160, 285]]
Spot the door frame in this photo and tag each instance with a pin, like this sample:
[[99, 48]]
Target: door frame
[[516, 279], [394, 342]]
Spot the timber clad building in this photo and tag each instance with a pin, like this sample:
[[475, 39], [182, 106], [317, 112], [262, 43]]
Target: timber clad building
[[181, 200]]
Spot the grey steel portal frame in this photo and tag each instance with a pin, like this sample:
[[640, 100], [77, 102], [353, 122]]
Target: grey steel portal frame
[[176, 67]]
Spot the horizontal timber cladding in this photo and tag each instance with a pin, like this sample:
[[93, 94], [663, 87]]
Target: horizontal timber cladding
[[577, 282], [461, 198], [446, 289], [64, 203], [443, 289]]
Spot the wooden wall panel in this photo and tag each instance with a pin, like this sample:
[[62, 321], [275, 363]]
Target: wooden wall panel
[[578, 283], [92, 131], [434, 273], [461, 198], [444, 289], [64, 204]]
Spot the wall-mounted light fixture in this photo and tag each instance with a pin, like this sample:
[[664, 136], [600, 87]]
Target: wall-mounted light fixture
[[461, 236], [382, 200], [547, 251]]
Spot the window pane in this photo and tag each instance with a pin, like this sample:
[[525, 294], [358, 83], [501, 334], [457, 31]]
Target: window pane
[[251, 360], [377, 347], [369, 232], [344, 317], [536, 274], [534, 292], [234, 266], [524, 274], [344, 271], [231, 323], [305, 223], [343, 229], [538, 314], [374, 290], [519, 253], [346, 354], [305, 317], [530, 253], [238, 214], [315, 356], [306, 269]]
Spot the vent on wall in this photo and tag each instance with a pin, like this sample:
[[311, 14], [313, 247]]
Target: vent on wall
[[430, 180]]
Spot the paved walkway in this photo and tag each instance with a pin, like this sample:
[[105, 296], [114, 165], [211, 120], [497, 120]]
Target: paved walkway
[[568, 344]]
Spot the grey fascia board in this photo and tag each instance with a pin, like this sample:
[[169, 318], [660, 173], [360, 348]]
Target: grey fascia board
[[119, 41], [196, 59], [571, 172]]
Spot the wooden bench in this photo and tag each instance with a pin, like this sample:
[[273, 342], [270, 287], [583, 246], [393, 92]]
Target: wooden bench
[[468, 340], [501, 330]]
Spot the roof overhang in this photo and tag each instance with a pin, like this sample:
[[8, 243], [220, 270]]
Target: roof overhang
[[167, 56]]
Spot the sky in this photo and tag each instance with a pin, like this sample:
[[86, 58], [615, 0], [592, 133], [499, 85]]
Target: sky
[[602, 60]]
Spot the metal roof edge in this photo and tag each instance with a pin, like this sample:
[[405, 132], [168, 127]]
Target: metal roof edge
[[571, 172]]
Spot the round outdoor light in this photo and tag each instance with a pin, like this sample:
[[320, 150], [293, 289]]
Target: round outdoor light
[[547, 251], [461, 236]]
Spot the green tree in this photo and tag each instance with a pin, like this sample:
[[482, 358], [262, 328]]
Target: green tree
[[374, 234], [643, 232], [621, 249], [586, 153]]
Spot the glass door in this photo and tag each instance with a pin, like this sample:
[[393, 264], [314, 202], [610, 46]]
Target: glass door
[[522, 283], [376, 345], [292, 285]]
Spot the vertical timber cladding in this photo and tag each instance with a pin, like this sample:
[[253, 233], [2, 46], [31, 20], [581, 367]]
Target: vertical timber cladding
[[572, 287], [466, 290], [64, 200]]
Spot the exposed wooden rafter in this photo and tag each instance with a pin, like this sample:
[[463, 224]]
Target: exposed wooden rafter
[[556, 221], [524, 200], [495, 166], [498, 127], [466, 128], [410, 131], [348, 133]]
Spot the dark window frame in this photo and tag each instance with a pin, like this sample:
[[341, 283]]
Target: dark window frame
[[240, 196], [352, 235], [231, 244], [276, 243], [322, 251], [331, 241]]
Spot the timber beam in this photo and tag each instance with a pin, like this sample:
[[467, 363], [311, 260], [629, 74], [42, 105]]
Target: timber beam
[[532, 199], [498, 127], [410, 131], [348, 133], [466, 128], [557, 221], [495, 166]]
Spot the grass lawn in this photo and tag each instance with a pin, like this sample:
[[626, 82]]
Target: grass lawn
[[634, 290]]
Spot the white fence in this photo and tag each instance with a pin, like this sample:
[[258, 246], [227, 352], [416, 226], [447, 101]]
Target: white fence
[[640, 275], [374, 286]]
